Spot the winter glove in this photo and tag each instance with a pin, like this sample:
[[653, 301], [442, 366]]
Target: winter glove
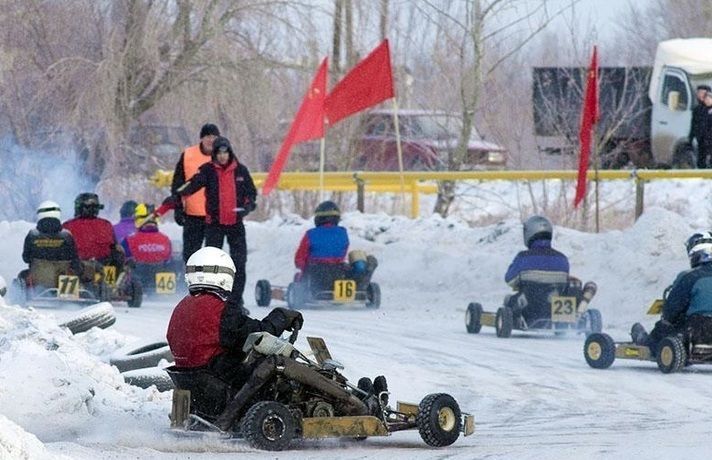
[[179, 215], [284, 319], [246, 209]]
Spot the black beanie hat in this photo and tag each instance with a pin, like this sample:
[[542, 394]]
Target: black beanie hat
[[209, 129]]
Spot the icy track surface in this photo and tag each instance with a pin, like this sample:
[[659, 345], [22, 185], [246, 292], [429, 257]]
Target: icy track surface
[[532, 396]]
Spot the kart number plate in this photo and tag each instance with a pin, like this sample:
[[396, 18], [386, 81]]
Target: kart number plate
[[563, 309], [110, 275], [165, 283], [344, 290], [68, 286]]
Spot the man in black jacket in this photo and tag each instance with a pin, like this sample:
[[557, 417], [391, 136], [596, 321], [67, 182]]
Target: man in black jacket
[[230, 195], [698, 126]]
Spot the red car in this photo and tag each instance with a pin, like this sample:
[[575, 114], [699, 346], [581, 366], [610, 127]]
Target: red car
[[426, 138]]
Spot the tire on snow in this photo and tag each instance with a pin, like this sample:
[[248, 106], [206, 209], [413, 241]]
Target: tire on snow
[[373, 295], [100, 315], [504, 322], [473, 318], [671, 355], [599, 350], [269, 425], [147, 377], [139, 356], [592, 321], [296, 295], [263, 293], [439, 419], [135, 294]]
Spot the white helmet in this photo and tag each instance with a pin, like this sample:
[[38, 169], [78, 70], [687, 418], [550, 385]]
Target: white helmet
[[48, 209], [210, 269], [699, 248]]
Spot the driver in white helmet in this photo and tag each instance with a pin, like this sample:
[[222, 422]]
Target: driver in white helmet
[[48, 242], [688, 304], [208, 327]]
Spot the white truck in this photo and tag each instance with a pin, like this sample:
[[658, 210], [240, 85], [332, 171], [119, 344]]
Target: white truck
[[680, 66]]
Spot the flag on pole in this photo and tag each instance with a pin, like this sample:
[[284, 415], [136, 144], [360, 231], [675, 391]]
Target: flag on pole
[[589, 117], [308, 124], [367, 84]]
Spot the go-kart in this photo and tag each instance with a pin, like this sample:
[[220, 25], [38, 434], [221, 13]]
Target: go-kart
[[559, 306], [674, 352], [161, 278], [331, 288], [299, 398], [48, 283]]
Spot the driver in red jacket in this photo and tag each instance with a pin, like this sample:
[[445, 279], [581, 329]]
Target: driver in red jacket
[[93, 235]]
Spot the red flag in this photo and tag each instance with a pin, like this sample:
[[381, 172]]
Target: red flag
[[367, 84], [589, 117], [308, 124]]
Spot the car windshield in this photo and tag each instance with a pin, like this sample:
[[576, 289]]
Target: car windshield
[[437, 127]]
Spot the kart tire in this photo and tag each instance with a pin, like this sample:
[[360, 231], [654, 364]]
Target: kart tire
[[263, 293], [268, 425], [147, 377], [504, 322], [140, 356], [439, 419], [473, 318], [599, 350], [100, 315], [295, 296], [373, 295], [671, 355], [18, 293], [593, 322], [135, 294]]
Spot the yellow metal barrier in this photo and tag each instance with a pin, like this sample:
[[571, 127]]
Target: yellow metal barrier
[[390, 182]]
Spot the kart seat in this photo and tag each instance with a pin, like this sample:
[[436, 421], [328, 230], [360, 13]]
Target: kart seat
[[321, 277], [537, 286], [208, 393], [46, 272]]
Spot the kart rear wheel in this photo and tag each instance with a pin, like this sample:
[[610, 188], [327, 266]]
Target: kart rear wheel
[[295, 296], [439, 419], [473, 318], [671, 355], [504, 322], [269, 425], [18, 292], [135, 293], [599, 350], [263, 293], [592, 321], [373, 295]]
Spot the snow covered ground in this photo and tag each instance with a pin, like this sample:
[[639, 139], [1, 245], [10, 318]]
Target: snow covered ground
[[532, 396]]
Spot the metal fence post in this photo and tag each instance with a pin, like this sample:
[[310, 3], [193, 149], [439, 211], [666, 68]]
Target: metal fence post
[[639, 196], [360, 191]]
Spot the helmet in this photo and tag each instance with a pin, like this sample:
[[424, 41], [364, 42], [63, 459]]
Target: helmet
[[48, 209], [358, 262], [327, 213], [143, 215], [209, 269], [87, 205], [699, 248], [537, 228], [127, 209]]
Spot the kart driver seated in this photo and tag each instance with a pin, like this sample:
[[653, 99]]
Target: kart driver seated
[[537, 272], [49, 250], [94, 236], [688, 305], [147, 248], [321, 252]]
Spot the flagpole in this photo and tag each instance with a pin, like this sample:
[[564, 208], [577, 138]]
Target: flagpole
[[595, 178], [399, 149], [322, 148]]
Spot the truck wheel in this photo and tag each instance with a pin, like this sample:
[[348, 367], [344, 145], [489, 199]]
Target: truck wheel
[[263, 293], [373, 295], [671, 355], [295, 296], [599, 350], [135, 294], [473, 317], [439, 419], [269, 425], [684, 158], [504, 322]]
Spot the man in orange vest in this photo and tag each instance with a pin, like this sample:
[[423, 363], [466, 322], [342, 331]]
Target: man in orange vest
[[192, 213]]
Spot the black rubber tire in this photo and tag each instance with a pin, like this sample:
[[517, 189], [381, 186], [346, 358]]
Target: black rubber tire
[[504, 322], [439, 419], [671, 355], [373, 295], [141, 356], [269, 425], [100, 315], [146, 377], [599, 350], [17, 293], [295, 296], [594, 321], [263, 293], [684, 157], [473, 318], [135, 294]]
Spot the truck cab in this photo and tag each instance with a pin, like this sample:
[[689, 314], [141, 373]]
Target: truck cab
[[680, 66]]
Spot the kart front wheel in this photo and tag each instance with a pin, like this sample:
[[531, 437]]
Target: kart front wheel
[[599, 350], [473, 318], [504, 322], [671, 355], [263, 293], [439, 419], [269, 425]]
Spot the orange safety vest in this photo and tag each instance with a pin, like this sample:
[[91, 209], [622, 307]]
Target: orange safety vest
[[193, 159]]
